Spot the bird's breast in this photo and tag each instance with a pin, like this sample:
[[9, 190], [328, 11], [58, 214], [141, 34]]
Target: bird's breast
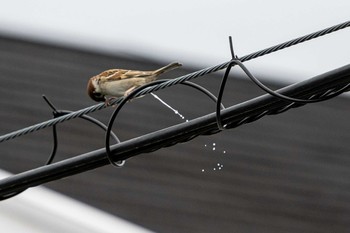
[[119, 87]]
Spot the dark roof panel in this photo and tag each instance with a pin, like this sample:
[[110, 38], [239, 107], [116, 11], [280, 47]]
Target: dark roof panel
[[284, 173]]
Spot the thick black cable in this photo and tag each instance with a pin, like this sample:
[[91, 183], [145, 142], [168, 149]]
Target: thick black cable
[[324, 96], [233, 116]]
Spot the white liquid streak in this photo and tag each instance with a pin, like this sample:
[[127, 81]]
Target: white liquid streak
[[168, 106], [220, 166]]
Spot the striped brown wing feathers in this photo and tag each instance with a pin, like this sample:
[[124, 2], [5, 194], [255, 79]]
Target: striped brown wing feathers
[[118, 74]]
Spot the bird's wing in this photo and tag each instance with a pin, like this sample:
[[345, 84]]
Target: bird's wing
[[119, 74]]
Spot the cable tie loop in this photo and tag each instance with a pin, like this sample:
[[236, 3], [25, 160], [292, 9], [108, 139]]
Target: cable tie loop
[[284, 97], [232, 63], [136, 92], [114, 115]]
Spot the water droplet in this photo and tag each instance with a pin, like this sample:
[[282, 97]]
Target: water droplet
[[202, 170], [213, 148], [214, 144], [214, 168], [205, 145], [224, 152], [218, 164]]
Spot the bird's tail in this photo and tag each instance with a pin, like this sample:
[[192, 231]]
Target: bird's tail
[[167, 68]]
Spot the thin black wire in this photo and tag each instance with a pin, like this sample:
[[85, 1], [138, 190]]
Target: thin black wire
[[57, 113], [178, 80], [134, 93], [54, 147], [222, 88], [96, 122], [284, 97], [219, 98], [205, 91], [115, 113]]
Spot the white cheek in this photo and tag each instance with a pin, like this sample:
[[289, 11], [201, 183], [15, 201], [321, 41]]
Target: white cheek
[[97, 87]]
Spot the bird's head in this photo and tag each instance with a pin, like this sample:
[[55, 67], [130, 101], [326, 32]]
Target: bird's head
[[94, 91]]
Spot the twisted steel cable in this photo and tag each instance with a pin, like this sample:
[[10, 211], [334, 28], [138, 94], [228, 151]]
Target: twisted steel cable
[[173, 82]]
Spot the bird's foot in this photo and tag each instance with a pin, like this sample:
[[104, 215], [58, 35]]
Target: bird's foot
[[109, 101]]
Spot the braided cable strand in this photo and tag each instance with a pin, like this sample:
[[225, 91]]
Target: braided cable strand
[[51, 122], [295, 41], [172, 82]]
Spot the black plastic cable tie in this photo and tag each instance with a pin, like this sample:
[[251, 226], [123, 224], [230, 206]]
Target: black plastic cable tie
[[134, 93], [219, 122], [284, 97], [116, 112]]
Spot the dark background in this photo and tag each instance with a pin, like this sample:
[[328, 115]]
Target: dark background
[[283, 173]]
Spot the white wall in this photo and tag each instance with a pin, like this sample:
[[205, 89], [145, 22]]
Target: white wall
[[42, 210], [193, 32]]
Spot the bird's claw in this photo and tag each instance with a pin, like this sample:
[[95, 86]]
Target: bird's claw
[[109, 101]]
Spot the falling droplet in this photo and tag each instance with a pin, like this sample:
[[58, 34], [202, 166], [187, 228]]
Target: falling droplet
[[202, 170], [224, 152]]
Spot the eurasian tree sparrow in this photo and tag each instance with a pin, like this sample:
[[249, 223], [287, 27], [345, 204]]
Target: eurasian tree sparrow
[[118, 82]]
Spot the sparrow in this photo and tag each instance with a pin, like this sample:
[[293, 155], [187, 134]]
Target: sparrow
[[115, 83]]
